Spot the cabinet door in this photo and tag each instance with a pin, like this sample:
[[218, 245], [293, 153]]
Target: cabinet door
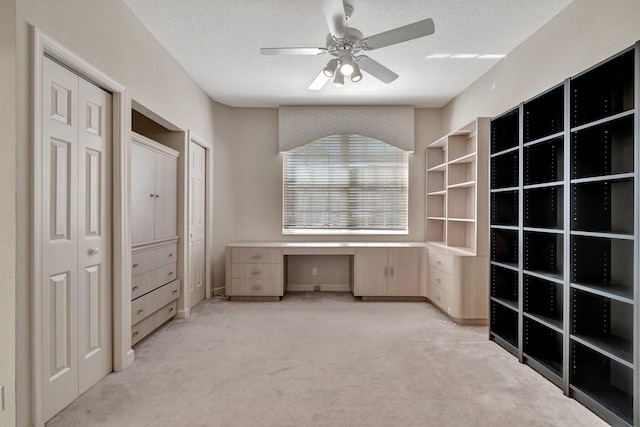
[[166, 201], [404, 272], [371, 272], [142, 193]]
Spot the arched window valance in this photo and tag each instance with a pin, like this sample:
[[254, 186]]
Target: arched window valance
[[300, 125]]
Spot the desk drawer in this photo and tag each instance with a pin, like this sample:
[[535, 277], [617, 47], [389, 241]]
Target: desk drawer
[[256, 255], [147, 260], [256, 271], [146, 282], [440, 261], [150, 303], [439, 297], [440, 279], [256, 287]]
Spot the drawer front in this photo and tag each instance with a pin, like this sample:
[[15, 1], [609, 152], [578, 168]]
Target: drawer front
[[256, 255], [440, 261], [146, 282], [256, 271], [148, 325], [271, 287], [439, 297], [440, 279], [148, 304], [145, 261]]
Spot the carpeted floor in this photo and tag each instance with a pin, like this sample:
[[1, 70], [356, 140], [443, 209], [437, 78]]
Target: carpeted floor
[[322, 359]]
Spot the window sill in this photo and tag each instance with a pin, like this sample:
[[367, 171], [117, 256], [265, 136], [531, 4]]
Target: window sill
[[301, 232]]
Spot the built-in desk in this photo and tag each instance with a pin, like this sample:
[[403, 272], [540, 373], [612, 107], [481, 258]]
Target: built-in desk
[[258, 270]]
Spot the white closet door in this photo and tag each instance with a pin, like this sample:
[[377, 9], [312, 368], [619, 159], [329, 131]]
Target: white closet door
[[76, 241], [94, 235], [197, 209], [142, 193], [166, 202], [59, 287]]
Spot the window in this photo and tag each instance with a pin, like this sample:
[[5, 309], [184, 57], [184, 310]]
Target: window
[[345, 184]]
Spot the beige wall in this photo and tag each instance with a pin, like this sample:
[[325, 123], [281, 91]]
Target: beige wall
[[255, 181], [585, 33], [106, 34], [7, 210]]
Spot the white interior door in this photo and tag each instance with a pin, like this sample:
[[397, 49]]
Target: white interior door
[[197, 229], [76, 241], [94, 235]]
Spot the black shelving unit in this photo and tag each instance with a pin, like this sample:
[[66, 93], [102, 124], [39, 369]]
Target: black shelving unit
[[543, 345], [504, 247], [504, 208], [544, 161], [544, 207], [544, 254], [565, 236], [504, 286], [543, 300]]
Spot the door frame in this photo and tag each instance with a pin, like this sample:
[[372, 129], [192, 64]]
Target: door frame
[[123, 354], [208, 220]]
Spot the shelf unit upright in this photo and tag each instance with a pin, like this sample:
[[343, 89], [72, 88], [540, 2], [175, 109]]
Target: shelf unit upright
[[564, 226]]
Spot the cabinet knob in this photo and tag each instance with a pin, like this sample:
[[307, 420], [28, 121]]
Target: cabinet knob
[[175, 291], [171, 310], [171, 254], [135, 288], [135, 333], [136, 265], [152, 195], [256, 257], [438, 280], [171, 273], [140, 310], [256, 272], [93, 251], [256, 287], [157, 195]]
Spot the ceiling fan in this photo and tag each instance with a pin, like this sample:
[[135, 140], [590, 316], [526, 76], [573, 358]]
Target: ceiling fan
[[344, 43]]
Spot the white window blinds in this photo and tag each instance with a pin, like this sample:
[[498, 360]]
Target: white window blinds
[[345, 184]]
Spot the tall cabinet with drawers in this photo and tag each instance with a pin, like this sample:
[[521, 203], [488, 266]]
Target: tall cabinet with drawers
[[155, 286], [564, 236], [456, 222]]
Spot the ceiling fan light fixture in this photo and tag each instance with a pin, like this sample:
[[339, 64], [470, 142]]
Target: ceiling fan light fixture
[[346, 64], [331, 67], [356, 76], [338, 80]]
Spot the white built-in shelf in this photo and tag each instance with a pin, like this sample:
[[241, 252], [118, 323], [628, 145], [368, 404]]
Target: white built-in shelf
[[467, 158], [456, 191]]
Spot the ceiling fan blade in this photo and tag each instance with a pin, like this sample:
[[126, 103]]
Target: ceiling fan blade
[[399, 35], [376, 69], [336, 18], [293, 50]]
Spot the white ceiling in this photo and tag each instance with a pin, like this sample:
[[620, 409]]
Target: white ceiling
[[217, 42]]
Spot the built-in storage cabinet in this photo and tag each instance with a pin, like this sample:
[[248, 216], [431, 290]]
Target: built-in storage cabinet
[[458, 285], [254, 271], [387, 272], [564, 236], [154, 190], [155, 285], [456, 190]]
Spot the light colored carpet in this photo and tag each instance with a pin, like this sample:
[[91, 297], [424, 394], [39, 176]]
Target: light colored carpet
[[322, 359]]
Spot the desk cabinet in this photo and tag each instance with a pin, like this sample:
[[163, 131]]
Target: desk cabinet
[[387, 272]]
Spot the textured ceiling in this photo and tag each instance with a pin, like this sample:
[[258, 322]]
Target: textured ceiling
[[217, 42]]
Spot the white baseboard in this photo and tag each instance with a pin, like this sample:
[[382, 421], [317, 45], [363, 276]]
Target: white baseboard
[[218, 291], [293, 287], [183, 314]]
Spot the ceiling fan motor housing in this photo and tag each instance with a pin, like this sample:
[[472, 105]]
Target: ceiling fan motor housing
[[351, 43]]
